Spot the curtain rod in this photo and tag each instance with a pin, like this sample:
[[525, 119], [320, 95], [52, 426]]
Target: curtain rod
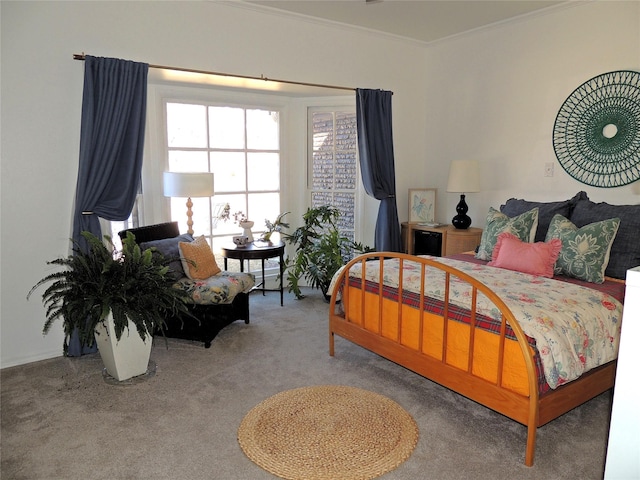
[[81, 56]]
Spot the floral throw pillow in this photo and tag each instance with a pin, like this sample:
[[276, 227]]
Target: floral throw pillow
[[522, 226], [585, 251]]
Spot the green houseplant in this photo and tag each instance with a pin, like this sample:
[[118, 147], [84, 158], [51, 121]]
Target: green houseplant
[[118, 290], [320, 250]]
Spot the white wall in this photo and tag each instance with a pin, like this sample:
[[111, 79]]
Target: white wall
[[493, 95], [41, 102]]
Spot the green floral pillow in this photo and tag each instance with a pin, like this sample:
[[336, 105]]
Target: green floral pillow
[[523, 226], [585, 251]]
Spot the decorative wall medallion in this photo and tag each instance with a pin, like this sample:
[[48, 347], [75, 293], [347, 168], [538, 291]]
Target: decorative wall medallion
[[596, 135]]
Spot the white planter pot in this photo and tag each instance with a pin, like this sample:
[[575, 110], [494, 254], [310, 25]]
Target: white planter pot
[[126, 358]]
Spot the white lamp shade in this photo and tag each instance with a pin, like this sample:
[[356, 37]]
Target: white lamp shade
[[188, 184], [464, 176]]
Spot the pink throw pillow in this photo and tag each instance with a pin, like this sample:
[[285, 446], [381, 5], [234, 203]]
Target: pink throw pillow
[[534, 258]]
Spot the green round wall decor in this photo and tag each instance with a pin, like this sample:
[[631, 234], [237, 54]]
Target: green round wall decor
[[596, 135]]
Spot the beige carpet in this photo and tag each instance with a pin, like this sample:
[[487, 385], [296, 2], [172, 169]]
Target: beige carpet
[[62, 421], [328, 432]]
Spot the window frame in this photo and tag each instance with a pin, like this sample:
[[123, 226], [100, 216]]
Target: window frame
[[156, 206], [295, 196], [359, 187], [224, 231]]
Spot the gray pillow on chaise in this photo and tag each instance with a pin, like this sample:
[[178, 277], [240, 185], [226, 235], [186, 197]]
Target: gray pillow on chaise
[[169, 248]]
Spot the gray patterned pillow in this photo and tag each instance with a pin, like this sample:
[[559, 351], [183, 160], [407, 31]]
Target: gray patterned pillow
[[625, 251], [585, 251], [523, 226]]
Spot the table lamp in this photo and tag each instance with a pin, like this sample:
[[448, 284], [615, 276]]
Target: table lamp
[[464, 177], [188, 184]]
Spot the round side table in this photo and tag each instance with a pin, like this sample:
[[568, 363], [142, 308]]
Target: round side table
[[254, 252]]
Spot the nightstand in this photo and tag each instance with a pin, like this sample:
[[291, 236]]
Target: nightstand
[[440, 241]]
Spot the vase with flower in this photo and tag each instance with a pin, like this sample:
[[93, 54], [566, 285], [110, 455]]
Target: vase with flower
[[240, 219], [276, 226]]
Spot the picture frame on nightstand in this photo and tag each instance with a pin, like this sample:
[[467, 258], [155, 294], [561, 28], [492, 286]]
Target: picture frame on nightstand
[[422, 205]]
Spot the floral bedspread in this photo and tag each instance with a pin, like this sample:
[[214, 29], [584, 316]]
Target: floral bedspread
[[575, 328], [219, 289]]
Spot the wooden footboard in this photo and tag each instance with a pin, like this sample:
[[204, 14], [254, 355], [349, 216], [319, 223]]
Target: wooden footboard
[[483, 366]]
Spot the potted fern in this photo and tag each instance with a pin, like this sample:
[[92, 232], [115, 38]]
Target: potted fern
[[320, 250], [116, 299]]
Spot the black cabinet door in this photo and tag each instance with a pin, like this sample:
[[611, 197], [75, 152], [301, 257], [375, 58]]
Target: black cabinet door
[[427, 243]]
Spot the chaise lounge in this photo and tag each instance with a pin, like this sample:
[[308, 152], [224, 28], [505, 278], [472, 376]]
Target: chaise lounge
[[217, 301]]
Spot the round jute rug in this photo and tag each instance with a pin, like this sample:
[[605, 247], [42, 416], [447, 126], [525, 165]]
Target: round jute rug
[[328, 432]]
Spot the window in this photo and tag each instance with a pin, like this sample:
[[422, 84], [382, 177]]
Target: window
[[254, 144], [333, 172], [241, 146], [113, 227]]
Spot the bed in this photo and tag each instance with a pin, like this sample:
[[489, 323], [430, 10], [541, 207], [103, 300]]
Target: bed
[[489, 332]]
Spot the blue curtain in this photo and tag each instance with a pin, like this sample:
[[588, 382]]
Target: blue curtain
[[375, 148], [114, 105]]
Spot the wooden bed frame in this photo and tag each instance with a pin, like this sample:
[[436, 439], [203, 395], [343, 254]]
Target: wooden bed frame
[[532, 410]]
